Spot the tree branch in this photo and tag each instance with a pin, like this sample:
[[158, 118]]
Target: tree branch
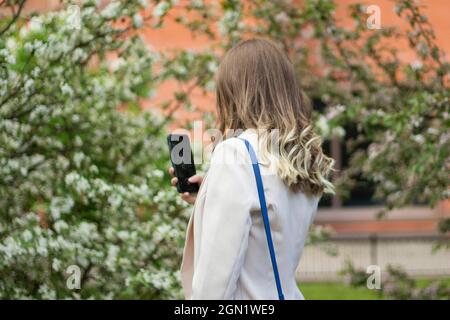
[[14, 19]]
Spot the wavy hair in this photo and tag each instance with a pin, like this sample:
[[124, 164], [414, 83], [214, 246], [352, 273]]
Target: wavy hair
[[257, 89]]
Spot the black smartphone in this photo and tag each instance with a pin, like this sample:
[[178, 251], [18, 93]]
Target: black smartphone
[[182, 162]]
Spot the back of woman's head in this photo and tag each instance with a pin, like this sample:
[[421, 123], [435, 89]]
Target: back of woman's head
[[257, 88]]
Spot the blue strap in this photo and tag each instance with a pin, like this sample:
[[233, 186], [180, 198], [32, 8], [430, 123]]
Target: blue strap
[[262, 201]]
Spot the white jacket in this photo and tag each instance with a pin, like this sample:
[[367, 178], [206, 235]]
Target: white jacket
[[226, 254]]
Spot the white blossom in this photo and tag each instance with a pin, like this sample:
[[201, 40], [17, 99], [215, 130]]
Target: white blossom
[[160, 9], [35, 24], [56, 264], [137, 20], [420, 139], [60, 205], [112, 10], [66, 89], [416, 65], [11, 44], [69, 196]]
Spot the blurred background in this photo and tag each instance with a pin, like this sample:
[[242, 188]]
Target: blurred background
[[90, 88]]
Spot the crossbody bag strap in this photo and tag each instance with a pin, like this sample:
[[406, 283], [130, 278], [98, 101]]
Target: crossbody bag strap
[[265, 216]]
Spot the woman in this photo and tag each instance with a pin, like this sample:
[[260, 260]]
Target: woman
[[226, 252]]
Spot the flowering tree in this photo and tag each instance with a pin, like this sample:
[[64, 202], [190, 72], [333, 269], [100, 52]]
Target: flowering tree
[[80, 182], [400, 110]]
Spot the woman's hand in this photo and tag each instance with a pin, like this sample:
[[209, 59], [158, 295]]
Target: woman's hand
[[188, 197]]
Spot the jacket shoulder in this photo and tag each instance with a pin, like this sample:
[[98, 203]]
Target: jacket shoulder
[[230, 151]]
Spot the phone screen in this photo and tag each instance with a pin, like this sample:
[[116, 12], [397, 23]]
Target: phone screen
[[182, 161]]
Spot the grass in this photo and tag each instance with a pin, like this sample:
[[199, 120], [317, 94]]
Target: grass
[[336, 291], [340, 291]]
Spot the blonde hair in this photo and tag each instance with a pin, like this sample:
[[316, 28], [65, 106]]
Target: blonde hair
[[257, 88]]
